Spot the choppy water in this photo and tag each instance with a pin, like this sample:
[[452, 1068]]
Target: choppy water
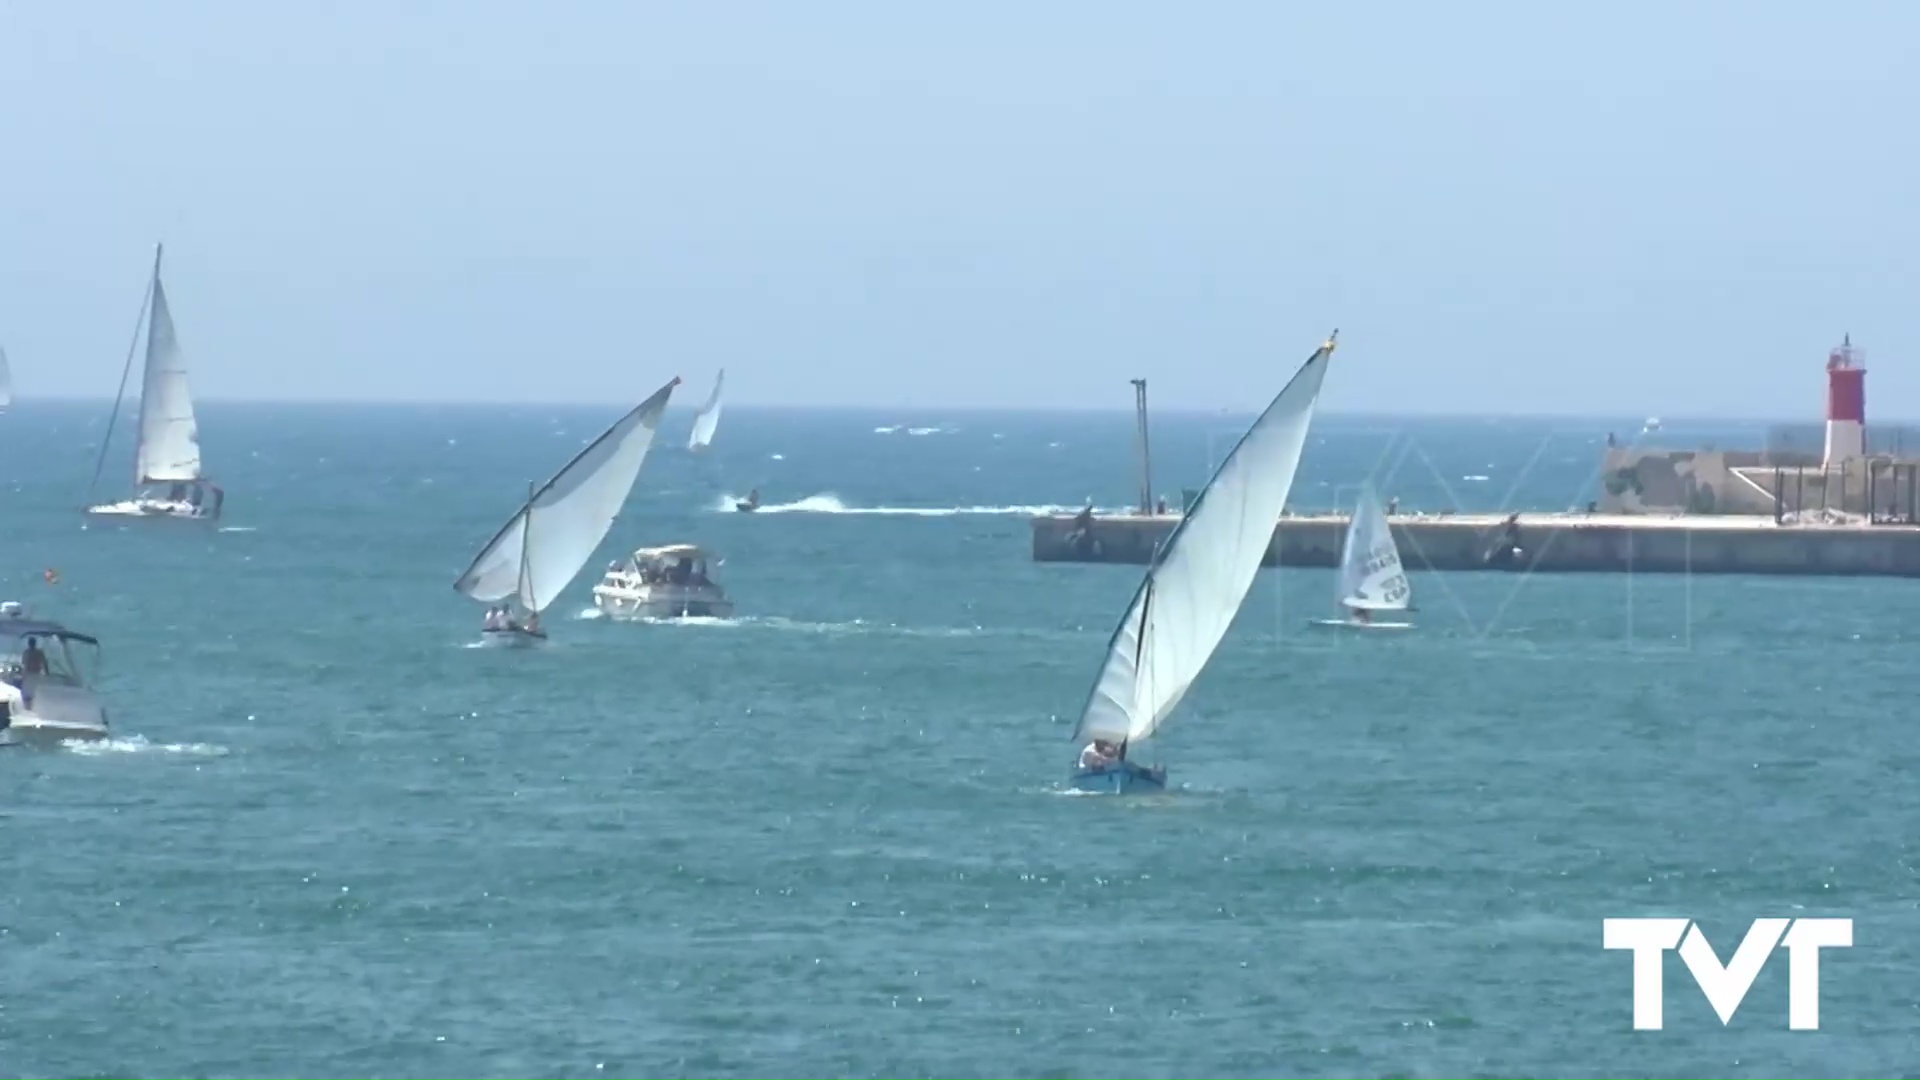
[[826, 839]]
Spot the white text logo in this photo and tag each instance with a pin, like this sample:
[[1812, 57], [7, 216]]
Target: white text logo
[[1726, 985]]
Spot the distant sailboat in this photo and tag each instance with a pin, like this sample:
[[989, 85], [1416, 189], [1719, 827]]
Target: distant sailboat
[[709, 418], [540, 550], [168, 447], [6, 381], [1199, 578], [1371, 577]]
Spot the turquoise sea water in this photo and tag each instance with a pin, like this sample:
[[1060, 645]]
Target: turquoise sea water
[[827, 838]]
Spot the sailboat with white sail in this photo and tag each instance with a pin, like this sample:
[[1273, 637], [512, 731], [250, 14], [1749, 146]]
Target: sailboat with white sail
[[1199, 578], [6, 382], [167, 451], [541, 548], [1371, 579], [709, 418]]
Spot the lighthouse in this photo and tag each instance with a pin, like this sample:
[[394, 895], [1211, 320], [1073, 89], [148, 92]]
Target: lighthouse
[[1846, 403]]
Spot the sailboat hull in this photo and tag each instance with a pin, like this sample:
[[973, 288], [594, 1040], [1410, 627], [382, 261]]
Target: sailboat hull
[[167, 509], [1125, 778], [515, 638], [1349, 624]]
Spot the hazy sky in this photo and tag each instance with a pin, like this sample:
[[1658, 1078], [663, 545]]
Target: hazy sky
[[1625, 208]]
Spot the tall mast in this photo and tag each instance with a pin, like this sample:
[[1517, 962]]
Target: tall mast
[[526, 544]]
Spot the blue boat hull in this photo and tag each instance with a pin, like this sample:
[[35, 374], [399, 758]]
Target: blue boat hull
[[1125, 778]]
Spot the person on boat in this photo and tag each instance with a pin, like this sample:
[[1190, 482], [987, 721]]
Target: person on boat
[[1160, 507], [33, 661], [1360, 615], [492, 621], [219, 500], [1098, 754], [177, 493], [533, 622]]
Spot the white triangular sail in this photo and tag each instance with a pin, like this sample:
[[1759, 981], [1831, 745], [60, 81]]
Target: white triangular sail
[[709, 418], [1371, 577], [6, 381], [1201, 574], [536, 555], [169, 437]]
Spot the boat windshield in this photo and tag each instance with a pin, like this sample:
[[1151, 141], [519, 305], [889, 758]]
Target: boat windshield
[[670, 566], [68, 659]]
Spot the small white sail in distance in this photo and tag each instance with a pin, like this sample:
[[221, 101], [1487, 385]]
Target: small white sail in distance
[[539, 551], [1371, 577], [6, 381], [709, 418], [1202, 572]]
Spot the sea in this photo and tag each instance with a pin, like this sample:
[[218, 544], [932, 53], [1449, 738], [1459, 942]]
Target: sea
[[828, 837]]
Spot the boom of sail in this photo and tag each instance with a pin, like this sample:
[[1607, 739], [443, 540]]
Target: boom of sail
[[1371, 578], [538, 552], [1201, 575], [709, 418]]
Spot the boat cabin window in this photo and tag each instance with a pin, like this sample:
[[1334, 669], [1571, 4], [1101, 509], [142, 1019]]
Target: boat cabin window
[[66, 660], [673, 568]]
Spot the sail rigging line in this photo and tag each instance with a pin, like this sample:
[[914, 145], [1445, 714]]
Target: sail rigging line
[[126, 372]]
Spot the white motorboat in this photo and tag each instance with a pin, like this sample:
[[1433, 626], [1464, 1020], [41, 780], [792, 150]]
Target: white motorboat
[[1371, 579], [45, 682], [669, 582], [709, 418], [1199, 578], [541, 548], [167, 452]]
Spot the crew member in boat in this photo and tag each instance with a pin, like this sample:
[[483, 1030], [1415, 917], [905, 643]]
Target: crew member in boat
[[33, 660], [1097, 755], [1360, 615], [177, 493]]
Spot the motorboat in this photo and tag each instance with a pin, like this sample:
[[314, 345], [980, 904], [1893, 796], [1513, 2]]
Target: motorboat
[[547, 542], [46, 692], [166, 455], [669, 582]]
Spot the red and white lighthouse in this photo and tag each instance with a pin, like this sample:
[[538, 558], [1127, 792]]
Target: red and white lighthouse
[[1846, 403]]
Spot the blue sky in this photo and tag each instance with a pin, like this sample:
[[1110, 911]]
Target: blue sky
[[1624, 209]]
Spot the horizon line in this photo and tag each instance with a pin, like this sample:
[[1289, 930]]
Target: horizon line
[[954, 410]]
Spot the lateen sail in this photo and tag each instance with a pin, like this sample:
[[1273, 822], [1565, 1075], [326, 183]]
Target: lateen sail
[[709, 417], [567, 518], [1371, 577], [169, 437], [1202, 573]]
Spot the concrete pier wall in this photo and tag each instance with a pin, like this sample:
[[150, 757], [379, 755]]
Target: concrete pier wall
[[1717, 544]]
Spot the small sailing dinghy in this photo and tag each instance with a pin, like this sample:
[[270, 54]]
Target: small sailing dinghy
[[541, 548], [1371, 579], [1199, 578], [168, 448], [709, 418]]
